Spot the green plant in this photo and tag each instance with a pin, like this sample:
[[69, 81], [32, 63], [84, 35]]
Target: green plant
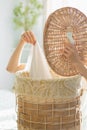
[[26, 14]]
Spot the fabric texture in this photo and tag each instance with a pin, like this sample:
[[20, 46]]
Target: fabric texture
[[57, 88], [39, 68]]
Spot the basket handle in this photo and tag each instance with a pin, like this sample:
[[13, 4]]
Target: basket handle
[[70, 37]]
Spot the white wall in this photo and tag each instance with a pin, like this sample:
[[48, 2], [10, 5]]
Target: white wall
[[8, 37], [6, 41], [56, 4]]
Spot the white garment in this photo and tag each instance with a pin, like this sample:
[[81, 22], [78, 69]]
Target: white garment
[[39, 67]]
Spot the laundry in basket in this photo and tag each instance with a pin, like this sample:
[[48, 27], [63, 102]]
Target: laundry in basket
[[39, 67]]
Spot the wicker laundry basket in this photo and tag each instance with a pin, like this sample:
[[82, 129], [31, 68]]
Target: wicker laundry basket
[[48, 104], [48, 116], [54, 104]]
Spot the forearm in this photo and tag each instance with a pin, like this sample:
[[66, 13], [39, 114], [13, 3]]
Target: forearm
[[15, 58], [82, 70], [13, 65]]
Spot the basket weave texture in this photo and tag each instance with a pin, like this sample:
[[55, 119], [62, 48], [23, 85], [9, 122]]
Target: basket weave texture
[[40, 108], [48, 116], [55, 39]]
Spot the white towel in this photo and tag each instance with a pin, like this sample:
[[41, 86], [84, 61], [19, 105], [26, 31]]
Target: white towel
[[39, 67]]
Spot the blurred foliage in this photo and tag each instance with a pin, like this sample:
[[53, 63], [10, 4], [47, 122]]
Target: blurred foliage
[[26, 14]]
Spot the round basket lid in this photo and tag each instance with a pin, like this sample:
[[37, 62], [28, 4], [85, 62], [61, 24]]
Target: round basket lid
[[58, 26]]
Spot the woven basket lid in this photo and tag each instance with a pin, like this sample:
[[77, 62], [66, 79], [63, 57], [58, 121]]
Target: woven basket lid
[[58, 24]]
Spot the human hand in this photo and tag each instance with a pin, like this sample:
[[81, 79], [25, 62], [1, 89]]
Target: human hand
[[28, 37], [71, 53]]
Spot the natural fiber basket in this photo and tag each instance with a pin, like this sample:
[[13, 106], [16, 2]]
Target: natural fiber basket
[[48, 116], [39, 107], [57, 25]]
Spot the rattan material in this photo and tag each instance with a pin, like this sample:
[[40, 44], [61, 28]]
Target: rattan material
[[48, 104], [55, 39], [48, 116]]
